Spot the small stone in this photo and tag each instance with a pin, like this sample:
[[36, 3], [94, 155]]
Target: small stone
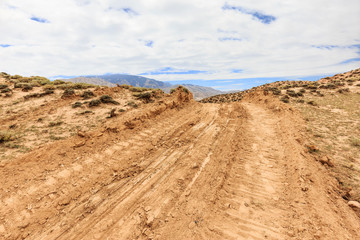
[[79, 144], [354, 204], [326, 161], [150, 220], [81, 134], [192, 225], [148, 208], [304, 189]]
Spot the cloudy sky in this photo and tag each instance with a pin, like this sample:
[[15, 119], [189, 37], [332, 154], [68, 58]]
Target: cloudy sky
[[211, 41]]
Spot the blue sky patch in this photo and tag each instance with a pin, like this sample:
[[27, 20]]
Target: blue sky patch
[[243, 83], [40, 20], [5, 45], [169, 71], [229, 39], [351, 60], [149, 43], [129, 11], [266, 19]]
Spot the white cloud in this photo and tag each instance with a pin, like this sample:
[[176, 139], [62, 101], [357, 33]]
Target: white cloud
[[95, 37]]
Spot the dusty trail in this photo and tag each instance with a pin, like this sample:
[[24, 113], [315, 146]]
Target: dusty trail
[[205, 171]]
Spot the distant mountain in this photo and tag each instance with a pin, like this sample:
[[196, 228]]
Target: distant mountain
[[199, 92], [120, 79], [94, 80], [111, 80]]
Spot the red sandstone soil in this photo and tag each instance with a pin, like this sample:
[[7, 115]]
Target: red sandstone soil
[[178, 170]]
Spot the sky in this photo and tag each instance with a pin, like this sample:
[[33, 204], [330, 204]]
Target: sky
[[223, 44]]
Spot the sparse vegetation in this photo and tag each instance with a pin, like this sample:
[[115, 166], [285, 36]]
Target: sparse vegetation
[[94, 103], [285, 99], [76, 105], [132, 104], [38, 95], [6, 90], [87, 95], [138, 89], [6, 136], [146, 96], [69, 92], [54, 124], [108, 99]]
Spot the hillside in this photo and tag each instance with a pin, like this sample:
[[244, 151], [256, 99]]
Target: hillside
[[111, 80], [80, 161], [331, 108]]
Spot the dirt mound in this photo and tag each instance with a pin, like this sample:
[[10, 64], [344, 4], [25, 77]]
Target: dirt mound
[[174, 168]]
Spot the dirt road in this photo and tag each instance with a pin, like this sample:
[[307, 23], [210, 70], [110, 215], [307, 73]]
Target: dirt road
[[204, 171]]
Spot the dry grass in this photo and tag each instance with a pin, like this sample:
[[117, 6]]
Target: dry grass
[[334, 126]]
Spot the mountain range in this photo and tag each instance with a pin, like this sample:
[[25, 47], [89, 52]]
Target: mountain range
[[111, 80]]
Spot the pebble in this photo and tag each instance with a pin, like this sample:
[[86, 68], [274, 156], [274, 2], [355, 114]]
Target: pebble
[[192, 225], [354, 204]]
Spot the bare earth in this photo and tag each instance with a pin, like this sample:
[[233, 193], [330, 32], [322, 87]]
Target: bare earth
[[178, 170]]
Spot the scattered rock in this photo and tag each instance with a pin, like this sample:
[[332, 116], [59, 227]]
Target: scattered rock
[[192, 225], [326, 161], [354, 204], [312, 148], [79, 144], [150, 219], [304, 189], [81, 134], [195, 166]]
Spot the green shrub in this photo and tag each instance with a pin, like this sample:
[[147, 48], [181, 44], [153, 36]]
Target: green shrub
[[172, 90], [49, 87], [186, 90], [27, 88], [291, 93], [20, 85], [146, 96], [88, 95], [94, 102], [38, 95], [3, 86], [108, 99], [311, 103], [132, 104], [6, 90], [285, 99], [138, 89], [53, 124], [77, 104], [68, 85], [312, 86], [125, 86], [16, 76], [58, 82], [343, 90], [6, 136], [68, 93]]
